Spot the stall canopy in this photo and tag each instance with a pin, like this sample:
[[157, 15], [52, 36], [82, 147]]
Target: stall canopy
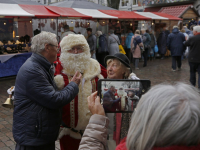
[[125, 14], [13, 10], [39, 11], [43, 11], [94, 13]]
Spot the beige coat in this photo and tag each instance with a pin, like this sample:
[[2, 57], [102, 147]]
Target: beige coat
[[137, 51], [95, 135]]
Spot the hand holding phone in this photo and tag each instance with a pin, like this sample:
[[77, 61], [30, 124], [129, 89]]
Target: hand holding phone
[[94, 104]]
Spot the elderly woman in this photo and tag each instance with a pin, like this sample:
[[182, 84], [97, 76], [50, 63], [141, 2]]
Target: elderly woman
[[136, 44], [113, 43], [166, 118]]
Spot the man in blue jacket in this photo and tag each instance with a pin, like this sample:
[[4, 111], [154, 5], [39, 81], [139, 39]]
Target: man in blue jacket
[[175, 45], [128, 44], [38, 103]]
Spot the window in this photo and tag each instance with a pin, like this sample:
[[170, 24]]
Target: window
[[134, 2], [124, 2]]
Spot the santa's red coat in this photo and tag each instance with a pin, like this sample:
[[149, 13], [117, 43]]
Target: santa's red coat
[[70, 111]]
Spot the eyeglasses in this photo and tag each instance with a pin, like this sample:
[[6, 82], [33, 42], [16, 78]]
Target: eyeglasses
[[56, 47], [78, 49]]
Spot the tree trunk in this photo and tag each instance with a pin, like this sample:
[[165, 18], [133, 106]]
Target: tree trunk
[[113, 3]]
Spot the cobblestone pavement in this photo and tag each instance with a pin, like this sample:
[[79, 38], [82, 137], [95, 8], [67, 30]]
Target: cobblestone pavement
[[158, 71]]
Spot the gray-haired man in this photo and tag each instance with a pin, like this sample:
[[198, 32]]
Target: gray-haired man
[[38, 103]]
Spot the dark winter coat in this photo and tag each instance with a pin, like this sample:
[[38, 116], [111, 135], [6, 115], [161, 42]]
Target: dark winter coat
[[194, 53], [153, 40], [146, 40], [103, 44], [175, 42], [38, 103], [162, 43], [128, 40]]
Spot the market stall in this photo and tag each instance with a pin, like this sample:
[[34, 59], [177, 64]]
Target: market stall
[[19, 22]]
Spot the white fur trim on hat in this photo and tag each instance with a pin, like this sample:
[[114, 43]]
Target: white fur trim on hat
[[73, 40], [59, 81]]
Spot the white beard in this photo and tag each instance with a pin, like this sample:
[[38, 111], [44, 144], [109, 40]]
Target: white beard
[[74, 62], [120, 92]]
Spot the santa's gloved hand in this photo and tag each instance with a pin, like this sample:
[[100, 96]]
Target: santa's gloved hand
[[133, 77]]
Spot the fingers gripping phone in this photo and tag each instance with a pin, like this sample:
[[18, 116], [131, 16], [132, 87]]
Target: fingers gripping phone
[[121, 96]]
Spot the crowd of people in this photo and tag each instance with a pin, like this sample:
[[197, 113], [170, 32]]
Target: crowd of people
[[56, 98]]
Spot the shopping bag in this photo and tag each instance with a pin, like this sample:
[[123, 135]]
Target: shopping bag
[[121, 49], [156, 48]]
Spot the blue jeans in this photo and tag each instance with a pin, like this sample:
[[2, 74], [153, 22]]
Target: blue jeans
[[194, 67], [176, 59]]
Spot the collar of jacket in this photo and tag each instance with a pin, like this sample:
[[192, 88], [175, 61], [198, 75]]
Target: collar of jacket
[[42, 61], [122, 146]]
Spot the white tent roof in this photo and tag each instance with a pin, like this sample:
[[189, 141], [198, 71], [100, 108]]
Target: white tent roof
[[151, 15], [94, 13], [13, 10]]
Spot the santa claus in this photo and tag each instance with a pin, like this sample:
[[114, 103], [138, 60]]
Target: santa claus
[[75, 56], [123, 95]]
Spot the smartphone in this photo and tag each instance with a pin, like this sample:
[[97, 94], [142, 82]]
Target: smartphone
[[121, 96]]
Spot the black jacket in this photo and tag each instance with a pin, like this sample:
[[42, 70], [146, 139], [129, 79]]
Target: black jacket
[[194, 53], [37, 112], [103, 44], [175, 42]]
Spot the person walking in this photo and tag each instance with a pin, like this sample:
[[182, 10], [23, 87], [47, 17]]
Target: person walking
[[146, 41], [152, 44], [92, 42], [175, 45], [136, 44], [113, 43], [128, 44], [194, 56], [102, 47], [66, 31], [162, 43]]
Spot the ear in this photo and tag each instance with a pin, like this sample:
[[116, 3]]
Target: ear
[[46, 47]]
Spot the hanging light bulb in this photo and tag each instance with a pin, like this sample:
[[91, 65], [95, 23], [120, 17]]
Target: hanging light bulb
[[72, 22], [30, 21], [103, 22], [131, 24], [51, 19], [143, 24], [152, 23], [88, 23], [4, 23], [118, 21]]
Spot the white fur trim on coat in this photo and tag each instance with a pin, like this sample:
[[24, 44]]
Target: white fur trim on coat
[[59, 80], [67, 131]]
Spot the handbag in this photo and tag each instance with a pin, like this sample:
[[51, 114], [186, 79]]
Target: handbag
[[121, 49], [156, 48]]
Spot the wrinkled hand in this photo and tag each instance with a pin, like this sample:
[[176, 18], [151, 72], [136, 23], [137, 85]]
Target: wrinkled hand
[[94, 104], [77, 78]]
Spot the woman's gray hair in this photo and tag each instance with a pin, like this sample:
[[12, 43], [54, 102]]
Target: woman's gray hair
[[111, 31], [166, 115], [126, 69], [38, 41]]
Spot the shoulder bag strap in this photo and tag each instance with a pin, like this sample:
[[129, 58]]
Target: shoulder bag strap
[[115, 40]]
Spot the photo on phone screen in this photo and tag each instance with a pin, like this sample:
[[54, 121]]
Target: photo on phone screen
[[121, 96]]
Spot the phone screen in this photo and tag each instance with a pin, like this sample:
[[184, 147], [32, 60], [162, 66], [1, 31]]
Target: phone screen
[[121, 96]]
